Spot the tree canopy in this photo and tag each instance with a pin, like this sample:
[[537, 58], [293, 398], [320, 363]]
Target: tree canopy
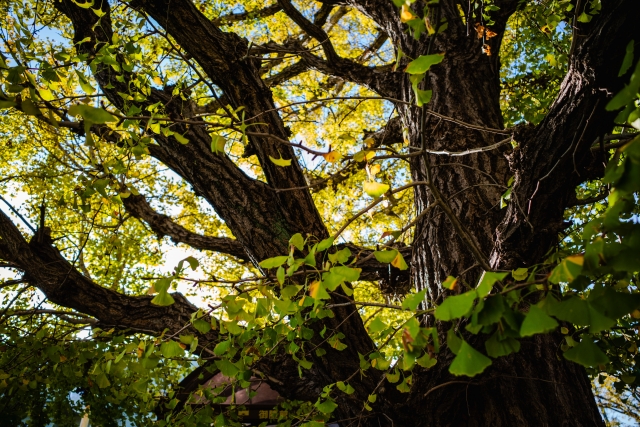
[[393, 213]]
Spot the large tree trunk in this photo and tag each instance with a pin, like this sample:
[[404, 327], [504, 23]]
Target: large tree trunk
[[536, 386]]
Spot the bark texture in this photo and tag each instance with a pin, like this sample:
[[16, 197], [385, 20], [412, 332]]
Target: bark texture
[[534, 387]]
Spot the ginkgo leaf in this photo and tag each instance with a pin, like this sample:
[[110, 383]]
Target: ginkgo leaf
[[94, 115], [332, 156], [537, 322], [423, 63], [469, 361], [455, 306], [281, 162], [450, 283], [273, 262], [157, 80], [317, 290], [218, 143], [372, 170], [181, 139], [587, 353], [406, 14], [399, 262], [375, 189], [385, 256]]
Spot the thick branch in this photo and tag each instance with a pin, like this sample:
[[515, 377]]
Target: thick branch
[[64, 285], [550, 161], [163, 225], [237, 17]]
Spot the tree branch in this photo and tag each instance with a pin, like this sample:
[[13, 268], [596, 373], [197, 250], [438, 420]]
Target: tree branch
[[163, 225], [550, 160], [241, 16], [64, 285]]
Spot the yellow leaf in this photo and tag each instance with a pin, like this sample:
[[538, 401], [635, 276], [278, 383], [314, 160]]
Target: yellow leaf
[[576, 259], [218, 142], [152, 290], [369, 142], [332, 156], [406, 14], [399, 262], [157, 80], [375, 189], [45, 94], [361, 156], [281, 162], [374, 169], [314, 288]]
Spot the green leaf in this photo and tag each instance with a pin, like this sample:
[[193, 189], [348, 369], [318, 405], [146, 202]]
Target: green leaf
[[202, 326], [469, 361], [297, 240], [280, 275], [628, 59], [227, 368], [102, 381], [91, 114], [326, 407], [537, 322], [453, 341], [222, 347], [487, 280], [84, 83], [218, 143], [498, 347], [426, 361], [273, 262], [349, 274], [30, 108], [332, 280], [375, 189], [393, 377], [281, 162], [376, 325], [325, 244], [290, 291], [423, 63], [385, 256], [171, 349], [574, 310], [163, 299], [346, 388], [193, 263], [568, 269], [181, 139], [587, 353], [520, 274], [422, 96], [412, 301], [492, 310], [455, 306]]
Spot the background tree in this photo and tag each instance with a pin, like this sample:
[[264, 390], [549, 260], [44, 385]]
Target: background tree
[[418, 213]]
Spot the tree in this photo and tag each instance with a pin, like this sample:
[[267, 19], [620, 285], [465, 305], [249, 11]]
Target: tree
[[493, 117]]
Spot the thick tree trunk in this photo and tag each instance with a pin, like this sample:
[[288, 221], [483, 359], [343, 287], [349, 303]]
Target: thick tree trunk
[[536, 386]]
